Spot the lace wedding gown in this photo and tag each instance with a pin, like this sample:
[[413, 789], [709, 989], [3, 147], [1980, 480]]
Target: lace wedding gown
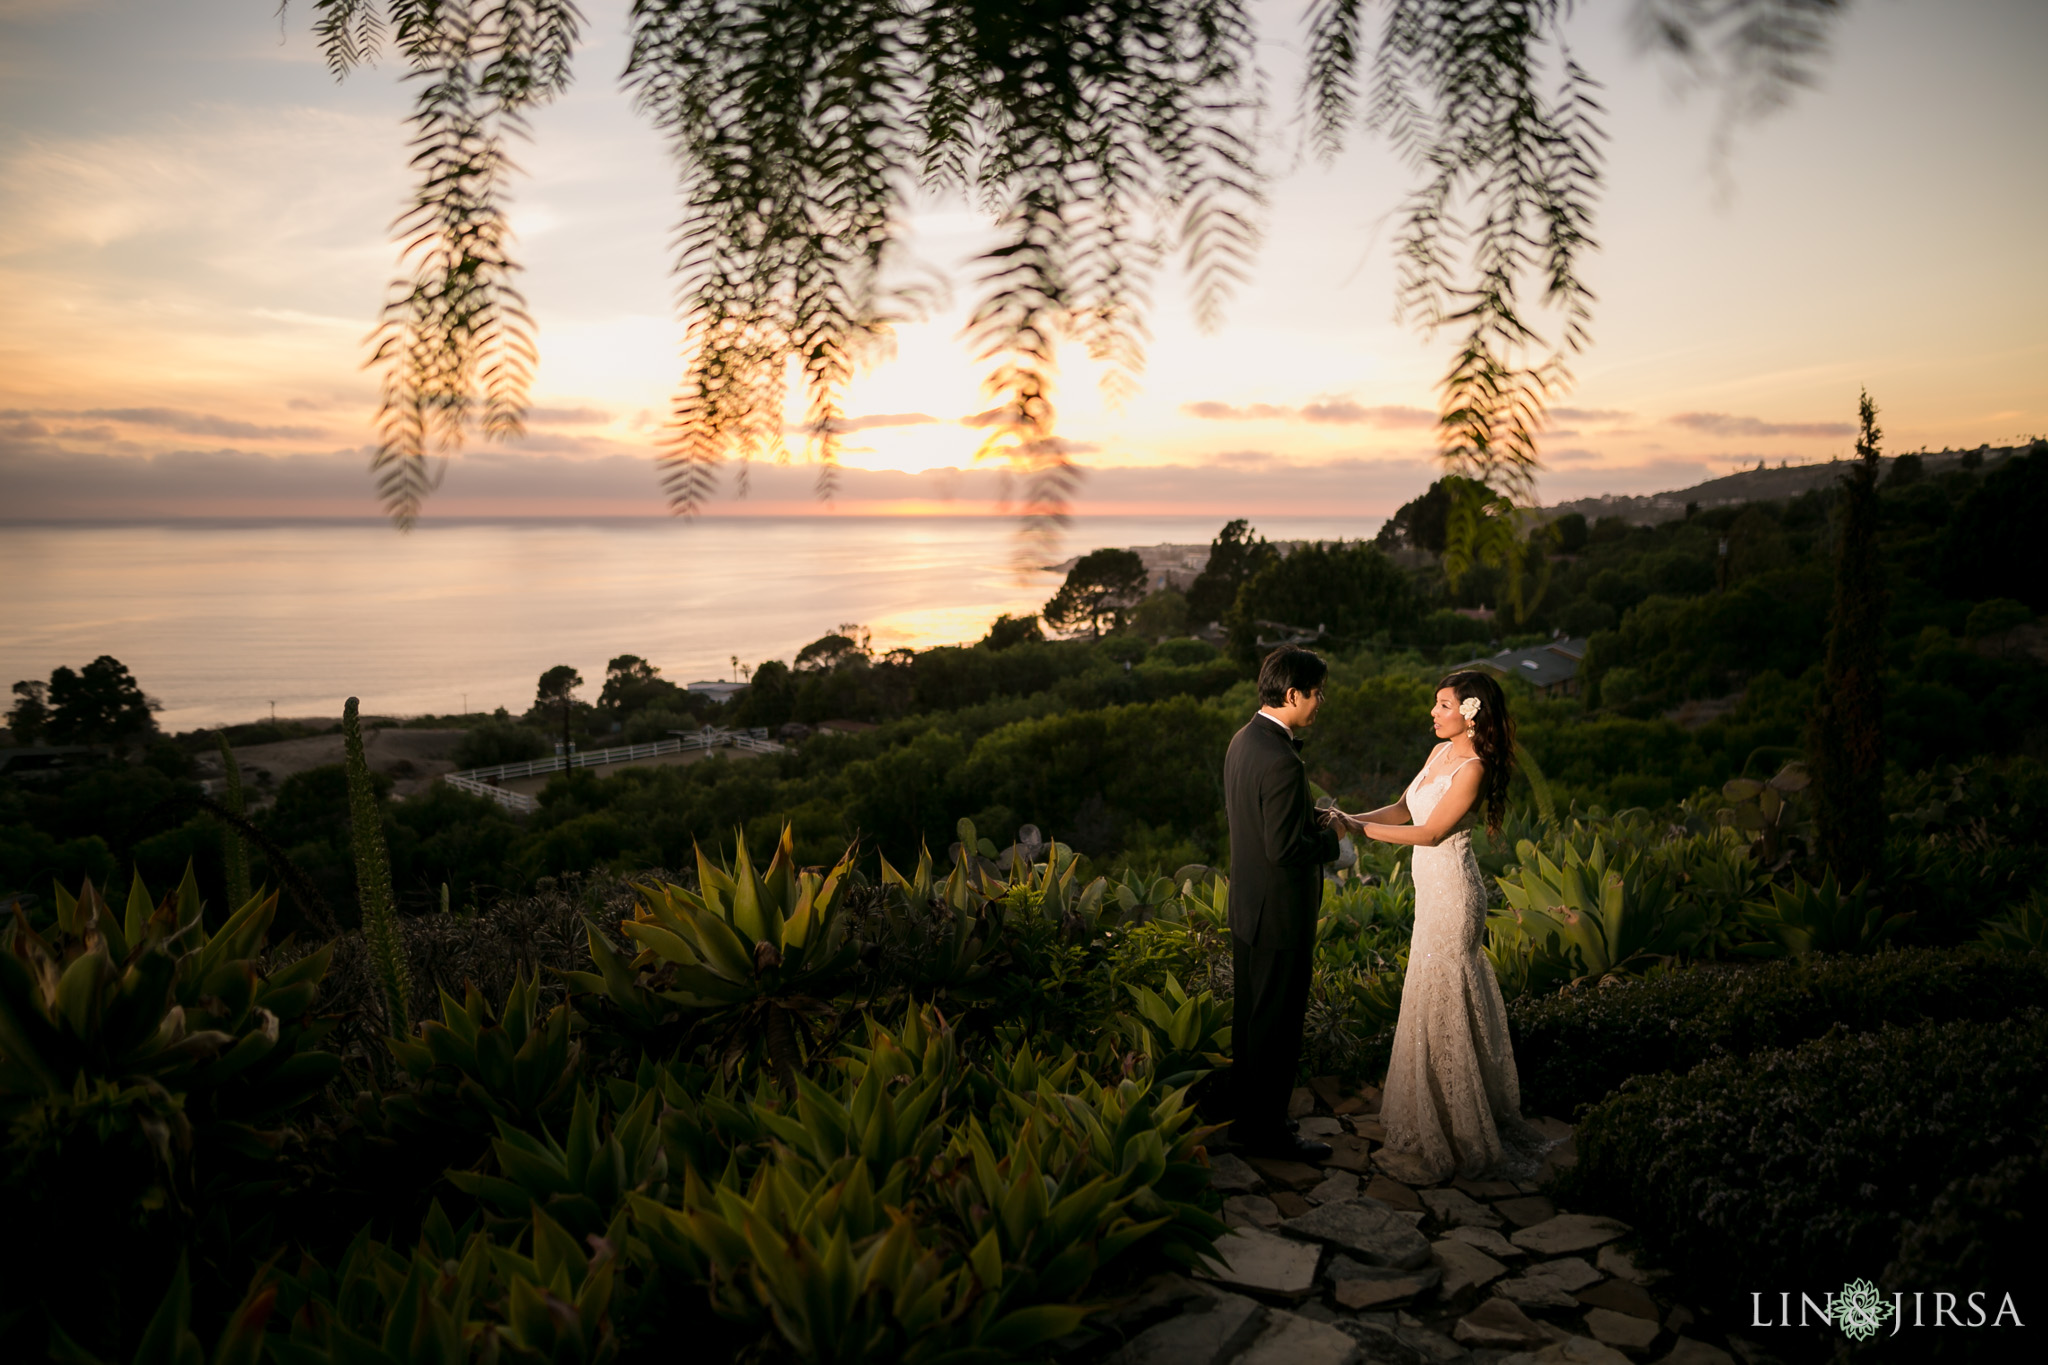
[[1453, 1102]]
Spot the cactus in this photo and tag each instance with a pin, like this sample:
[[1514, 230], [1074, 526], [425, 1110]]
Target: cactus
[[234, 852], [373, 880]]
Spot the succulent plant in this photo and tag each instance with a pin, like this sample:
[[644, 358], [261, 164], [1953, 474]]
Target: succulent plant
[[373, 881], [941, 931], [458, 1299], [754, 949], [149, 1074], [150, 997], [477, 1066], [580, 1182], [1182, 1035], [1819, 917], [1597, 911], [913, 1207]]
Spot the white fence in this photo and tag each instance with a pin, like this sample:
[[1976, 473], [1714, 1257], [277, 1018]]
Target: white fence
[[484, 781], [518, 802]]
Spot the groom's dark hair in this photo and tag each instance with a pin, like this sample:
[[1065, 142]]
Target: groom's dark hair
[[1290, 666]]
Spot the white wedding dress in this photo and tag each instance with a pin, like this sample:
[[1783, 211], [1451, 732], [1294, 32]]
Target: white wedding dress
[[1453, 1102]]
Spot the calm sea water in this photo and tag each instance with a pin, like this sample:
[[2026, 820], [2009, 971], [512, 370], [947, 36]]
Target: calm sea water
[[220, 621]]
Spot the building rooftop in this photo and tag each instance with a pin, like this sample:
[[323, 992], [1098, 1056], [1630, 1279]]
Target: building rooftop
[[1542, 666]]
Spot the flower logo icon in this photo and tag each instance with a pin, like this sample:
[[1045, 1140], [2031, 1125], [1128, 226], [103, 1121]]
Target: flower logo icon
[[1860, 1310]]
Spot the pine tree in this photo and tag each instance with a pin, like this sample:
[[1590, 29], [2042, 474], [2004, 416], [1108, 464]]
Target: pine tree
[[1846, 744]]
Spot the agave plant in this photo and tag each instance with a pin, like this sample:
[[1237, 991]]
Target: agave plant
[[1604, 914], [2025, 930], [476, 1066], [580, 1183], [1050, 891], [1820, 917], [1182, 1035], [914, 1208], [756, 949], [139, 1056], [150, 997], [1141, 898], [941, 931], [457, 1299], [169, 1338]]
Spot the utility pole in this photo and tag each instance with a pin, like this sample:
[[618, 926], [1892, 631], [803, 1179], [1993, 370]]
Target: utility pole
[[465, 703], [273, 713]]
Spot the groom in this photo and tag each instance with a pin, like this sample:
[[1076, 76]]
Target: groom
[[1277, 849]]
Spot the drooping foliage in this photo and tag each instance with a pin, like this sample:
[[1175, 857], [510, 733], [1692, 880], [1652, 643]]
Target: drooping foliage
[[1102, 136]]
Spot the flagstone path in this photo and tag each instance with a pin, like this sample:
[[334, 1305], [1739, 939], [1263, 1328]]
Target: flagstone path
[[1358, 1261]]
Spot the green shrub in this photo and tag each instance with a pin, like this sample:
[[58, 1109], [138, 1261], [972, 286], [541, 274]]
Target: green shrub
[[500, 741], [1575, 1047], [1805, 1166], [1184, 652], [654, 724], [1980, 1228]]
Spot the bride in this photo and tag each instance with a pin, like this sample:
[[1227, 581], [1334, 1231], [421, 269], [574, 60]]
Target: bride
[[1453, 1100]]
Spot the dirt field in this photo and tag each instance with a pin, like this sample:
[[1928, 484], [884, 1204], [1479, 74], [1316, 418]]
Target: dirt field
[[412, 758]]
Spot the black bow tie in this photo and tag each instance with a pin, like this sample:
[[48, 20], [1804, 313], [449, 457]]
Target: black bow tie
[[1297, 743]]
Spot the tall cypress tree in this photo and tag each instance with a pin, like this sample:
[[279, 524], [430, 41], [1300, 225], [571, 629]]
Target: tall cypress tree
[[1846, 744]]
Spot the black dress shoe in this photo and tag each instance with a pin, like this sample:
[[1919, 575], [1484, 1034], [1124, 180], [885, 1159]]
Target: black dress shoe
[[1289, 1147]]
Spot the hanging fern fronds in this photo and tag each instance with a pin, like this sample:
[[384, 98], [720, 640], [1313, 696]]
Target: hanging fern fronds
[[350, 32], [1102, 137], [455, 343], [1510, 175], [788, 124], [1760, 52]]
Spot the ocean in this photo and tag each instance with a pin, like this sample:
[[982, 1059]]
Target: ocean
[[224, 622]]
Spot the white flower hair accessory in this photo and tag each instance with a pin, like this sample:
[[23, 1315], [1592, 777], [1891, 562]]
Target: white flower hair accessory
[[1468, 708]]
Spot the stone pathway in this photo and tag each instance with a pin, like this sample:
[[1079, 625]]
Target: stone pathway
[[1358, 1261]]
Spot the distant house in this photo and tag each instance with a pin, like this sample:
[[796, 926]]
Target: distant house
[[845, 727], [1552, 669], [717, 691]]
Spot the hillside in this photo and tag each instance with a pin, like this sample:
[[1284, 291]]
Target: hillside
[[1762, 484]]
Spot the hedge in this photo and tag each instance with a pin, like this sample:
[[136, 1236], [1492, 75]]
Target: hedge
[[1806, 1166], [1574, 1048]]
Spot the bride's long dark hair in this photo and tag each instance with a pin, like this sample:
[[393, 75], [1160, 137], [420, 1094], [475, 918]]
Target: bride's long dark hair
[[1493, 739]]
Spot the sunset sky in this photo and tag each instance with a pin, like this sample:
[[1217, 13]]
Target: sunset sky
[[194, 242]]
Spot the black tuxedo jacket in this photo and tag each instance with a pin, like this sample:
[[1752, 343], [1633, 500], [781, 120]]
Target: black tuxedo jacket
[[1277, 847]]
